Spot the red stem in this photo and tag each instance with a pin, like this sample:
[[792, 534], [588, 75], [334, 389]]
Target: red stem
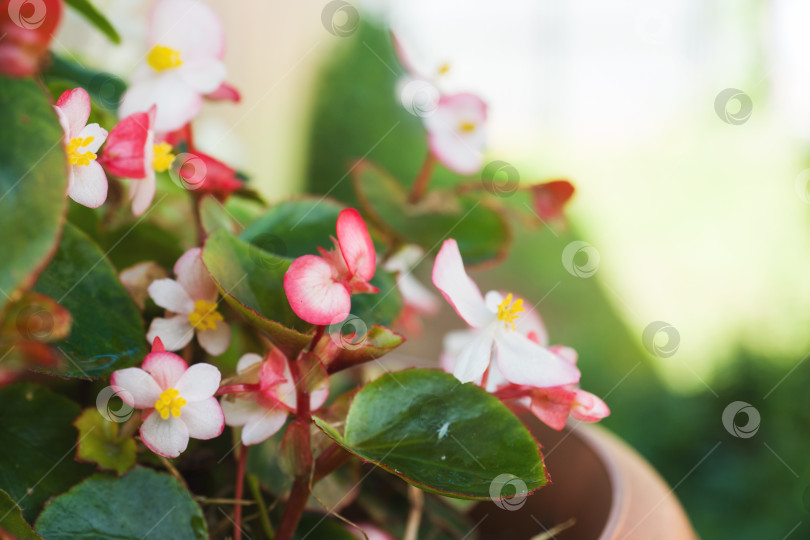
[[422, 179], [240, 486], [329, 461], [299, 494]]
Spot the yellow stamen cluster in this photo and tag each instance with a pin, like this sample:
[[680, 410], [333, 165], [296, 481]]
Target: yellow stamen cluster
[[169, 402], [509, 312], [80, 158], [444, 68], [162, 157], [466, 127], [205, 316], [162, 58]]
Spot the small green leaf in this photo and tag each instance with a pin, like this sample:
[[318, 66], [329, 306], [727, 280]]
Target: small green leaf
[[213, 215], [33, 182], [377, 342], [96, 18], [482, 233], [440, 435], [38, 442], [12, 522], [99, 443], [251, 280], [107, 331], [143, 504]]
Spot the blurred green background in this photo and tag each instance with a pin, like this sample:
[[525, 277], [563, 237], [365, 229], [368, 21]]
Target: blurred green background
[[713, 243]]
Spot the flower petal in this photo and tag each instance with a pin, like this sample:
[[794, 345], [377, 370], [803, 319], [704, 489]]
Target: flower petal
[[475, 357], [215, 342], [225, 92], [457, 288], [99, 135], [135, 387], [169, 294], [199, 382], [526, 363], [142, 192], [263, 425], [204, 419], [459, 149], [189, 26], [165, 367], [167, 438], [313, 293], [175, 332], [203, 75], [177, 103], [246, 361], [124, 153], [193, 276], [75, 104], [88, 184], [552, 405], [588, 408], [355, 244], [238, 410]]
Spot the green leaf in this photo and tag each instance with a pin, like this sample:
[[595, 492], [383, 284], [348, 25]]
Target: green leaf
[[143, 504], [104, 88], [482, 233], [295, 228], [33, 182], [440, 435], [107, 331], [99, 443], [377, 342], [251, 280], [38, 443], [96, 18], [213, 215], [12, 522]]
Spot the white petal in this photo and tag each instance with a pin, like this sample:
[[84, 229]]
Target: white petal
[[239, 410], [177, 103], [524, 362], [203, 75], [458, 150], [246, 361], [142, 191], [88, 184], [75, 104], [99, 135], [199, 382], [193, 276], [215, 342], [135, 387], [189, 26], [165, 367], [169, 294], [457, 288], [167, 438], [263, 425], [204, 419], [475, 358], [175, 332]]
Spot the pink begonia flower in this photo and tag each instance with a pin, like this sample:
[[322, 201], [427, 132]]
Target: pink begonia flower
[[551, 405], [178, 401], [497, 342], [87, 183], [263, 412], [319, 288], [193, 300], [457, 132], [417, 299], [184, 62], [131, 152]]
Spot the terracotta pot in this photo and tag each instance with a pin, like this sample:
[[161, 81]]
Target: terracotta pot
[[604, 485]]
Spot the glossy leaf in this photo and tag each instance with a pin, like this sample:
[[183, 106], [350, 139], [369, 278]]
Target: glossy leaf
[[440, 435], [251, 280], [482, 233], [213, 215], [12, 524], [143, 504], [107, 331], [33, 182], [99, 443], [96, 18], [38, 442]]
